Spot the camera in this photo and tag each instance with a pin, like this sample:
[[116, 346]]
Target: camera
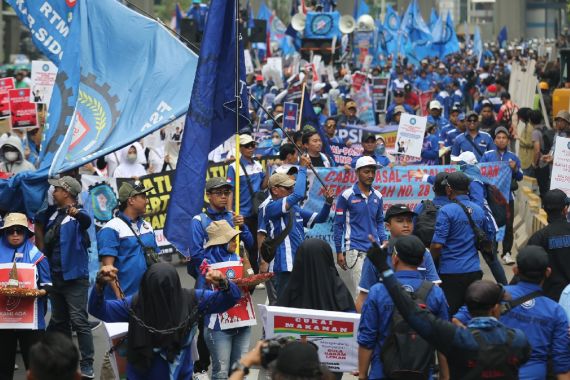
[[270, 350]]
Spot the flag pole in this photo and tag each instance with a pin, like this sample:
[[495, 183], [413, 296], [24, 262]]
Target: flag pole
[[301, 106], [238, 106]]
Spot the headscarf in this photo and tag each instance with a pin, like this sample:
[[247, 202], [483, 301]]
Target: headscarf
[[161, 303], [315, 282]]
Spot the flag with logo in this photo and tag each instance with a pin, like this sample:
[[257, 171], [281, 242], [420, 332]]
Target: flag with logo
[[391, 30], [121, 78], [416, 34], [502, 37], [211, 119]]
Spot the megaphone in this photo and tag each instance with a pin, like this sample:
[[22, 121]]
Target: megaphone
[[347, 24], [365, 23], [298, 22]]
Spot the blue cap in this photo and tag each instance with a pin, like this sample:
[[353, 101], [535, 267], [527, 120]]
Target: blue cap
[[461, 116]]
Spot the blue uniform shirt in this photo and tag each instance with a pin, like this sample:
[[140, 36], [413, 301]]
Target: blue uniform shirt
[[545, 325], [377, 315], [441, 124], [423, 84], [483, 141], [357, 217], [453, 231], [451, 135], [117, 239], [256, 176], [199, 14]]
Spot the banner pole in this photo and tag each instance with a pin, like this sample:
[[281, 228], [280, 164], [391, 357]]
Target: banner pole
[[238, 106], [301, 106]]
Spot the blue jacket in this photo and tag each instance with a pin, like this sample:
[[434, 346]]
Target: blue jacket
[[423, 84], [28, 253], [118, 311], [73, 246], [276, 219], [357, 217], [545, 325], [377, 315], [430, 150], [453, 231], [495, 155], [457, 344], [451, 135], [199, 236], [441, 124], [483, 141], [256, 176]]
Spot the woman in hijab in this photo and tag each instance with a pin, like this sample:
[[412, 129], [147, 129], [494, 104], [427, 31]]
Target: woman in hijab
[[130, 164], [16, 246], [315, 282], [276, 140], [161, 304]]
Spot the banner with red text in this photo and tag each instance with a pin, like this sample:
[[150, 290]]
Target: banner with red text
[[333, 332], [19, 312]]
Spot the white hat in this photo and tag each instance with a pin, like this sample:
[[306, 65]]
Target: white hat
[[467, 157], [365, 161], [318, 86], [435, 104], [245, 139]]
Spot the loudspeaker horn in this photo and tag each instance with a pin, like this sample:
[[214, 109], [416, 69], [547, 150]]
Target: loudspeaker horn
[[365, 23], [298, 22], [347, 24]]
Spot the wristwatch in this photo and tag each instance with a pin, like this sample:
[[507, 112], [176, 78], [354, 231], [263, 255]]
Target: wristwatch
[[238, 366]]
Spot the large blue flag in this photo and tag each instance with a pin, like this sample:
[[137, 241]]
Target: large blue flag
[[361, 8], [391, 30], [477, 44], [49, 24], [122, 77], [433, 17], [444, 38], [211, 119], [416, 35], [502, 37]]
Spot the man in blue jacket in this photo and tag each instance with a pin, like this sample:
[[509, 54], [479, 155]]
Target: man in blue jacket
[[408, 254], [65, 244]]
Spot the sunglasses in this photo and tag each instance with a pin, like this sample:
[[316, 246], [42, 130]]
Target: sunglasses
[[250, 145], [17, 230], [288, 188], [220, 193], [472, 121]]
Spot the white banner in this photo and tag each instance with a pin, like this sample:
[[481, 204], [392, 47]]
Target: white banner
[[43, 79], [560, 177], [410, 138]]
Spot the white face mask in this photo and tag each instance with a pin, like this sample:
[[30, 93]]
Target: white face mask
[[11, 156], [276, 141], [132, 158]]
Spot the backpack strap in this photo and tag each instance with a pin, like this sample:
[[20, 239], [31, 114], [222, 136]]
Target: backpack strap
[[468, 138], [508, 306], [423, 290], [249, 185]]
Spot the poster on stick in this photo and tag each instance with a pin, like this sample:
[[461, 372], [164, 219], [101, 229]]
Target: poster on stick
[[560, 177], [19, 312], [43, 79], [410, 138], [23, 113]]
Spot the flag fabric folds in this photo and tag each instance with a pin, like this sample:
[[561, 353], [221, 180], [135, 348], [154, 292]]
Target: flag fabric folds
[[361, 8], [210, 119], [444, 37], [101, 103], [391, 30], [502, 37], [415, 37]]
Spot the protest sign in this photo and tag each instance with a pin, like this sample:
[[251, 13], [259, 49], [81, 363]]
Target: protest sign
[[19, 312], [290, 116], [23, 113], [364, 105], [358, 80], [242, 314], [410, 138], [7, 83], [380, 87], [248, 62], [4, 105], [343, 155], [333, 332], [43, 79], [560, 177], [273, 70], [363, 45], [424, 98], [397, 185]]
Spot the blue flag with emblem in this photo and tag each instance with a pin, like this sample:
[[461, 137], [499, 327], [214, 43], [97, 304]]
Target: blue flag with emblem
[[416, 36], [360, 8], [444, 38], [391, 30], [210, 120], [322, 25], [101, 103], [49, 24]]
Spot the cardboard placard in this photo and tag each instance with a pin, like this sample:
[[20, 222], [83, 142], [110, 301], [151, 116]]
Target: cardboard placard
[[19, 312], [23, 113]]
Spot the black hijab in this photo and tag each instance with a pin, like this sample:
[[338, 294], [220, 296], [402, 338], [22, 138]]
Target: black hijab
[[162, 304], [315, 282]]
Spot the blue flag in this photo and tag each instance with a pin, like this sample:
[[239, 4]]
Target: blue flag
[[444, 38], [361, 8], [210, 119], [322, 25], [178, 17], [101, 103], [309, 117], [49, 24], [502, 37], [466, 35], [433, 17], [477, 44], [416, 35], [391, 30]]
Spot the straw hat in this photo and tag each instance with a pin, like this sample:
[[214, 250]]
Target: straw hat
[[16, 219], [220, 232]]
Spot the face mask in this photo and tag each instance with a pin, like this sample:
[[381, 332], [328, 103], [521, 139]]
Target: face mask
[[276, 141], [380, 149], [132, 158], [317, 110], [11, 156]]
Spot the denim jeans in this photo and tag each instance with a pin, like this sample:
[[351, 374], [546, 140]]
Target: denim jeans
[[226, 347], [69, 308], [281, 279]]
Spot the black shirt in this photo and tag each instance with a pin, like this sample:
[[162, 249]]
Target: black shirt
[[555, 239], [317, 162]]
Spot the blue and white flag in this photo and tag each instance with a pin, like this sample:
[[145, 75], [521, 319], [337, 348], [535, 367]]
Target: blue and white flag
[[391, 30], [49, 23], [416, 35], [322, 25], [444, 38], [122, 77], [360, 8], [433, 17], [211, 119], [477, 44]]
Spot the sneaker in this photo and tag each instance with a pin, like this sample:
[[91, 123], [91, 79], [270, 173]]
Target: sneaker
[[87, 373], [95, 324], [201, 376], [507, 259]]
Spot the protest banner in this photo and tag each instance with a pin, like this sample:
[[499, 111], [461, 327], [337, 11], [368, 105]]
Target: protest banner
[[290, 113], [242, 314], [364, 105], [248, 62], [410, 137], [363, 45], [343, 155], [560, 177], [6, 84], [333, 332], [19, 312], [380, 87], [353, 133], [43, 79], [397, 185], [23, 113], [424, 98], [358, 80]]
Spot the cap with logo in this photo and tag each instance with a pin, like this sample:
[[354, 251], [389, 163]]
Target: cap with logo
[[435, 105], [398, 209], [128, 190], [365, 161], [217, 182], [220, 232], [457, 181], [555, 199], [410, 249], [399, 109], [281, 179], [67, 183]]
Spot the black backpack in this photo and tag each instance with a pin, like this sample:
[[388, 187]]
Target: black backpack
[[425, 222], [405, 354], [548, 135], [492, 361]]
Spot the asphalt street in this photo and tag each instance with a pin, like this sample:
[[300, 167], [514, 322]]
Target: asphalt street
[[101, 341]]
